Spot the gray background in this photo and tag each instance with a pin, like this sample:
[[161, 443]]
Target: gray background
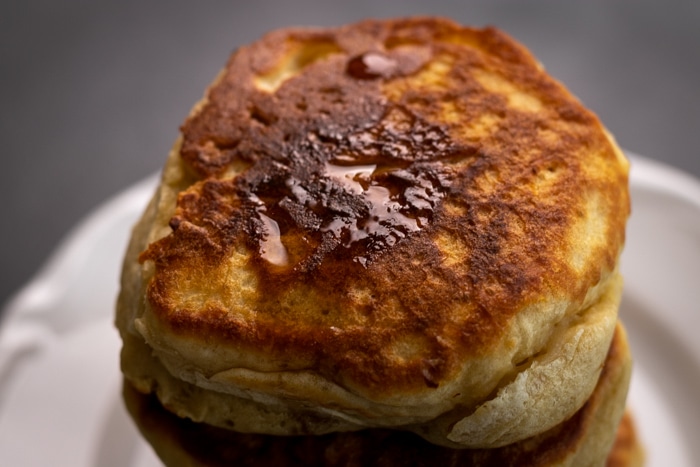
[[92, 93]]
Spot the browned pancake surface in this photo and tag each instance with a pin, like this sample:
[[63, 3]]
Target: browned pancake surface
[[395, 191]]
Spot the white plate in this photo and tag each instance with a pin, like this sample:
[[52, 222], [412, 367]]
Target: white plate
[[60, 384]]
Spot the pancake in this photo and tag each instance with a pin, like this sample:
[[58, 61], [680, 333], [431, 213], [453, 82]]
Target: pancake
[[399, 223], [495, 420], [627, 450], [588, 438]]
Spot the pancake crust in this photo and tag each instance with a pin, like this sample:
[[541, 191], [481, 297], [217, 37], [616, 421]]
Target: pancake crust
[[585, 439], [384, 223]]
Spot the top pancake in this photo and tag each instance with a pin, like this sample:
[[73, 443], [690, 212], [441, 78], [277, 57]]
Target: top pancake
[[393, 209]]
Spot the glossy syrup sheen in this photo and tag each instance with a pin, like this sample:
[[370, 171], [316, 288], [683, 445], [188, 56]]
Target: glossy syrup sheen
[[371, 66], [343, 198]]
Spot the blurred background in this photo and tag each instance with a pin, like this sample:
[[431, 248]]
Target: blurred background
[[92, 93]]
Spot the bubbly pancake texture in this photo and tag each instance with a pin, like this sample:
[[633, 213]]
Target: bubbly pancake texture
[[588, 438], [383, 224]]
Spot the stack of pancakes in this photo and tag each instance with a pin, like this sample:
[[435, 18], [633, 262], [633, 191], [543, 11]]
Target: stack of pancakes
[[389, 243]]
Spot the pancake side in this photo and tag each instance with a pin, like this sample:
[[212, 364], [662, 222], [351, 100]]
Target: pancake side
[[585, 439]]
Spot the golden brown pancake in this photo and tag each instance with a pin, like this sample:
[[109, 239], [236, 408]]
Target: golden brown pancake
[[584, 439], [400, 223]]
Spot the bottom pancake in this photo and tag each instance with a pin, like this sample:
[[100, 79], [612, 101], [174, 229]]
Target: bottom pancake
[[627, 450], [585, 439]]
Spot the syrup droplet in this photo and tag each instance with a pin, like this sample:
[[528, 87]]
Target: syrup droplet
[[272, 249], [388, 217], [371, 65], [351, 177]]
